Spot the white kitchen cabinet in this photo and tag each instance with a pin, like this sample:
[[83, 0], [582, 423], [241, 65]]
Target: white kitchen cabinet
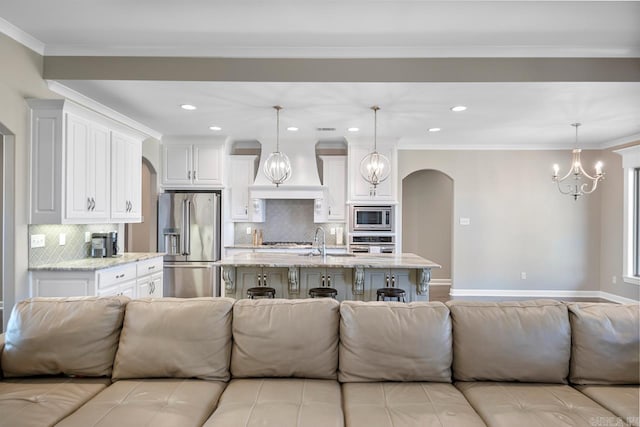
[[338, 278], [135, 280], [361, 190], [72, 172], [192, 165], [126, 178], [244, 209], [333, 207]]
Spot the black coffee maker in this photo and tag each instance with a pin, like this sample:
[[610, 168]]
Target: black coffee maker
[[104, 244]]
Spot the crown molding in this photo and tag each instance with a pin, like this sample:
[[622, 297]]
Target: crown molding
[[84, 100], [621, 141], [21, 37]]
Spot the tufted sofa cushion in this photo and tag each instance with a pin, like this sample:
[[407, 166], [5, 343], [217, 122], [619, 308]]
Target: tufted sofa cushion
[[606, 343], [387, 341], [285, 338], [175, 338], [527, 341], [71, 336]]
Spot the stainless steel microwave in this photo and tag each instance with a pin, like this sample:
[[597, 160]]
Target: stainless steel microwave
[[372, 218]]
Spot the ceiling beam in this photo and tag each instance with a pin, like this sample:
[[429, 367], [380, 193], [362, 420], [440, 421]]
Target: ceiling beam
[[417, 70]]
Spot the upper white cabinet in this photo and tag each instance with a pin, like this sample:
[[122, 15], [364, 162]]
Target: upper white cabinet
[[361, 190], [334, 173], [192, 165], [73, 171], [126, 178], [244, 209]]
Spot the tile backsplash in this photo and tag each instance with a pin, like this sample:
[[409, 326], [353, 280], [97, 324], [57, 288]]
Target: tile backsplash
[[286, 221], [74, 248]]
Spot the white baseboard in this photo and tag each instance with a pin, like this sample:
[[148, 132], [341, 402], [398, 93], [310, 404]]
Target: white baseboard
[[440, 282], [528, 293]]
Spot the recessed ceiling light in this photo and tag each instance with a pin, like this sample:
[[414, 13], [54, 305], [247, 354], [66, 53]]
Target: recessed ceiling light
[[434, 129], [458, 108], [215, 128], [292, 128], [188, 107], [353, 129]]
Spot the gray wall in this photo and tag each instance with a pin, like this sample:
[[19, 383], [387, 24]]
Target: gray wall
[[427, 213], [519, 221]]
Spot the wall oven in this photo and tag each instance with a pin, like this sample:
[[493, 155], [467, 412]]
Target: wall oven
[[371, 218], [384, 244]]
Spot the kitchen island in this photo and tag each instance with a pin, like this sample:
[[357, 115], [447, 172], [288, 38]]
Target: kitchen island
[[355, 276]]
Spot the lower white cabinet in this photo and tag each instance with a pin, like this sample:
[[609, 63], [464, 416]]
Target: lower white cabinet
[[142, 279]]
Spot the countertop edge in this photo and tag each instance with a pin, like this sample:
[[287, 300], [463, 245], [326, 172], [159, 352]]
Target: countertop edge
[[94, 264]]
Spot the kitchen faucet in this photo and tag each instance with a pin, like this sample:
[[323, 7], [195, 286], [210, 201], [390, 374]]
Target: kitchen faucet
[[323, 249]]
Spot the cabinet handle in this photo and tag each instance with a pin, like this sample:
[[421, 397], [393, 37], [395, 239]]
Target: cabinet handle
[[322, 281], [329, 280], [120, 276], [393, 281], [259, 280], [130, 206], [246, 210], [152, 288], [194, 175], [387, 277], [152, 267], [189, 175], [329, 210], [88, 203], [93, 204], [264, 280]]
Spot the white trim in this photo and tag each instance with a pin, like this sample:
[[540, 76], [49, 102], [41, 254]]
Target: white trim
[[489, 147], [440, 282], [630, 161], [631, 280], [8, 222], [621, 141], [528, 293], [21, 36], [85, 101]]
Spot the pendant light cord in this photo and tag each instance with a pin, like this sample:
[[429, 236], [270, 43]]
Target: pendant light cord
[[278, 108], [375, 109]]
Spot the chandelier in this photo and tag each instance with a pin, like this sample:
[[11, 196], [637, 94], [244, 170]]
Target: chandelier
[[277, 167], [375, 167], [576, 188]]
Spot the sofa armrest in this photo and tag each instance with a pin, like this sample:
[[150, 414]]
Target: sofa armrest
[[1, 350]]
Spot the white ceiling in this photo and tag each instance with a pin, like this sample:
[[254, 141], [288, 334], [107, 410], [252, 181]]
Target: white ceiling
[[517, 115]]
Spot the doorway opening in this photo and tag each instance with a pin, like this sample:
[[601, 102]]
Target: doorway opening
[[427, 224], [143, 236], [7, 225]]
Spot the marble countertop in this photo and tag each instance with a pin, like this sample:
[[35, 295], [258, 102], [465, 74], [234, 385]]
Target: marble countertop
[[88, 264], [274, 259], [281, 246]]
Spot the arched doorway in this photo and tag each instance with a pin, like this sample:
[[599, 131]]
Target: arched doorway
[[427, 224], [142, 237]]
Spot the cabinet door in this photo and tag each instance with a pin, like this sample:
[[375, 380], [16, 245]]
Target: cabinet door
[[79, 161], [207, 164], [241, 177], [126, 179], [176, 164], [310, 278], [128, 289], [361, 189], [335, 179], [341, 280], [277, 278], [61, 284], [100, 173], [134, 179], [156, 285], [374, 279]]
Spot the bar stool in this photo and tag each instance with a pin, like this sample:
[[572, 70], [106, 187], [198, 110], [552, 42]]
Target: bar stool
[[397, 293], [261, 291], [323, 293]]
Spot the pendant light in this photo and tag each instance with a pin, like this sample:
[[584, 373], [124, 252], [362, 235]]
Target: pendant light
[[277, 167], [576, 188], [375, 167]]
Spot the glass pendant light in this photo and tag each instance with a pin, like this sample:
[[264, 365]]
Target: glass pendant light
[[375, 167], [277, 167]]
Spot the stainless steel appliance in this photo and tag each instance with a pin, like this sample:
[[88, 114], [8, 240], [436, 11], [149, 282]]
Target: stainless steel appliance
[[365, 243], [104, 244], [371, 218], [189, 232]]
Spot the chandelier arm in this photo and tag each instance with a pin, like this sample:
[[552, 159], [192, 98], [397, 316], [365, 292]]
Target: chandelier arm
[[559, 180], [592, 178], [593, 187], [570, 188]]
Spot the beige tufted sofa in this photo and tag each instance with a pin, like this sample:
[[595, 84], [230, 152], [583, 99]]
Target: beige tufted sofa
[[81, 362]]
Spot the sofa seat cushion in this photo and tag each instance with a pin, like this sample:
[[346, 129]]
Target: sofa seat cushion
[[406, 404], [605, 343], [622, 400], [44, 401], [526, 341], [392, 341], [71, 336], [152, 402], [535, 405], [279, 402]]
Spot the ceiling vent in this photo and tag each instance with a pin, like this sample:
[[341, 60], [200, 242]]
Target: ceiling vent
[[326, 129]]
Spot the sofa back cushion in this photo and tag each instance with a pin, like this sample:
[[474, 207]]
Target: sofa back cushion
[[71, 336], [285, 338], [390, 341], [606, 343], [175, 338], [527, 341]]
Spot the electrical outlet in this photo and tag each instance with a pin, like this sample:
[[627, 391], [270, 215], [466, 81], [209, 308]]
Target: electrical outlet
[[465, 221], [62, 239], [333, 231], [248, 230], [87, 237], [614, 280], [523, 276], [37, 241]]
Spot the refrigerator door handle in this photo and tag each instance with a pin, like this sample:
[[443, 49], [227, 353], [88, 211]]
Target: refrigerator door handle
[[186, 227]]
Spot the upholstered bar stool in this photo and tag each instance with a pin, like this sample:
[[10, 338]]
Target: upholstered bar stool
[[323, 293], [390, 293], [261, 291]]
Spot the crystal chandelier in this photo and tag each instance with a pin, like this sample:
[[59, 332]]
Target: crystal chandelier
[[576, 188], [375, 167], [277, 167]]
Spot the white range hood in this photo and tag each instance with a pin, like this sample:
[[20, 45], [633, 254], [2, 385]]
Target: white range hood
[[304, 182]]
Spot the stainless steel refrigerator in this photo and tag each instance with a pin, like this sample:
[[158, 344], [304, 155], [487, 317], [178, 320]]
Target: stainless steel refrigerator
[[189, 232]]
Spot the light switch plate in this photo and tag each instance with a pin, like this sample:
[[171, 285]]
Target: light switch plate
[[248, 230], [87, 237], [465, 221], [37, 240], [333, 231], [62, 239], [523, 276]]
